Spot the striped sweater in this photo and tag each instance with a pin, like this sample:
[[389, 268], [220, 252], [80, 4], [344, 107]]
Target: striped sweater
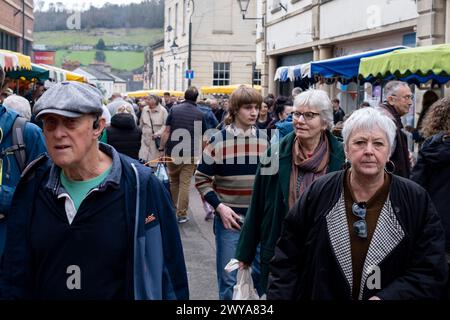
[[228, 167]]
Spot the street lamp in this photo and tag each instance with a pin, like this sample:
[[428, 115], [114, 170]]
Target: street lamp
[[174, 48], [191, 11], [243, 5], [161, 63]]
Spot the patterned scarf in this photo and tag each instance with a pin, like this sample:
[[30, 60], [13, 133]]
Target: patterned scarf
[[307, 169]]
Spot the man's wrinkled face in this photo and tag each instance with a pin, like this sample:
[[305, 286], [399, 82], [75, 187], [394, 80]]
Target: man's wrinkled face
[[401, 100], [70, 139]]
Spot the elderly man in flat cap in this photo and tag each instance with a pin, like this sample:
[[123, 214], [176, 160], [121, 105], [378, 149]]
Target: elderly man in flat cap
[[89, 223]]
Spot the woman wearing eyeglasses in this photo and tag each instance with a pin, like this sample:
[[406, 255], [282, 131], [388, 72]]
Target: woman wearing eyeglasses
[[361, 233], [302, 156]]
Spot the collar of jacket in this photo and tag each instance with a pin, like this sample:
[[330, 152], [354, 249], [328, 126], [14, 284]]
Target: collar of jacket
[[239, 132], [285, 158], [113, 178]]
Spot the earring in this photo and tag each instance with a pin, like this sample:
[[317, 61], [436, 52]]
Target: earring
[[389, 167], [347, 164]]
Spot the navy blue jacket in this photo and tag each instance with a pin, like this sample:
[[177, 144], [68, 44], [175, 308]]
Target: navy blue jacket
[[157, 270], [35, 146]]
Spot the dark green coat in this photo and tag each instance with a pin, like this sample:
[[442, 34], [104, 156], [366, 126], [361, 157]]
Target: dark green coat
[[270, 202]]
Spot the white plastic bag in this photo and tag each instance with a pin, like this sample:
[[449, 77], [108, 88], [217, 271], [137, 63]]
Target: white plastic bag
[[244, 288], [161, 172]]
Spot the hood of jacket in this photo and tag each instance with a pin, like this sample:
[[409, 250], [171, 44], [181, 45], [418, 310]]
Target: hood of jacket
[[123, 121], [436, 149]]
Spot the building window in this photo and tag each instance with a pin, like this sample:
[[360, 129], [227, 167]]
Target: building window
[[8, 42], [409, 39], [221, 75], [256, 77]]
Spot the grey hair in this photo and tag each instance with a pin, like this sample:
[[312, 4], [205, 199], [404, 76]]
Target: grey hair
[[368, 119], [318, 100], [296, 91], [391, 88], [18, 104]]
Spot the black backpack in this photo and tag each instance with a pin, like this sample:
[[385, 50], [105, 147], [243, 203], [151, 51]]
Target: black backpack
[[18, 145]]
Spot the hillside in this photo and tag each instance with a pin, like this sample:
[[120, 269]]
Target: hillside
[[138, 36], [63, 42], [120, 60]]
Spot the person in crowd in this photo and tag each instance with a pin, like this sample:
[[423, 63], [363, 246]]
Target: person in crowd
[[88, 222], [210, 118], [337, 130], [217, 109], [225, 178], [338, 113], [364, 104], [5, 93], [263, 117], [295, 92], [281, 111], [167, 103], [398, 101], [429, 97], [304, 155], [11, 154], [184, 150], [152, 124], [374, 236], [18, 104], [432, 170], [123, 133]]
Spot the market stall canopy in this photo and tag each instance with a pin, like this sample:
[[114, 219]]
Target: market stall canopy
[[10, 60], [292, 73], [36, 72], [225, 89], [413, 65], [345, 67], [59, 75], [160, 93]]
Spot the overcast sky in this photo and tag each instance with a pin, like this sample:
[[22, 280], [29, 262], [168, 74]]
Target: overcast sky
[[82, 4]]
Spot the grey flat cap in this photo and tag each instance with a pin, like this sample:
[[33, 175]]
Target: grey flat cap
[[70, 99]]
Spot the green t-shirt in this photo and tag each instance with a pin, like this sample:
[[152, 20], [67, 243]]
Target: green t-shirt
[[78, 190]]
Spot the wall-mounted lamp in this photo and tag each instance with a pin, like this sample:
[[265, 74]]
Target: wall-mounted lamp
[[161, 63], [174, 47], [243, 5]]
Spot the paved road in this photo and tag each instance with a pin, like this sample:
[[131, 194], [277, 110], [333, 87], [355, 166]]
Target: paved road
[[199, 251]]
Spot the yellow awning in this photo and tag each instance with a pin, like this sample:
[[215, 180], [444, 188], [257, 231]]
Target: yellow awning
[[10, 60], [160, 93], [225, 89]]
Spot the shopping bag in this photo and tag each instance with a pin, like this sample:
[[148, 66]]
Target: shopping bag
[[161, 174], [244, 288]]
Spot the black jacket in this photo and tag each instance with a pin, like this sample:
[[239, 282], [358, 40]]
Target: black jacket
[[432, 172], [313, 256], [400, 156], [124, 135]]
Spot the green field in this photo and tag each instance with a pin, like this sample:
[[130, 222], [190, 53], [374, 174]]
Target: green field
[[121, 60], [139, 36]]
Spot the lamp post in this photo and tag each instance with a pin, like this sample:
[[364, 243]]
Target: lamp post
[[191, 11]]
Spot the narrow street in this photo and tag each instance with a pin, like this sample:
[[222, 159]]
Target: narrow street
[[199, 251]]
